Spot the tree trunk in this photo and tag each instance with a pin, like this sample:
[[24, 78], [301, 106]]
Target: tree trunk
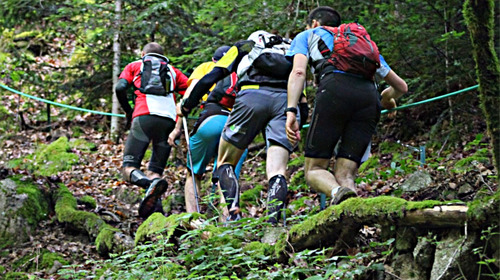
[[480, 18], [116, 67]]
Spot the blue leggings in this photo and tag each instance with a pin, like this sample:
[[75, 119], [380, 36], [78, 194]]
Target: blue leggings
[[204, 144]]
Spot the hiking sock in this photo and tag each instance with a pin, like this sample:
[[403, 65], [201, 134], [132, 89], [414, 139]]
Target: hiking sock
[[138, 178], [230, 188], [276, 197]]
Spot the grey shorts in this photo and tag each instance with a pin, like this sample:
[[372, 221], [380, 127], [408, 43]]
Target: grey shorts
[[255, 111]]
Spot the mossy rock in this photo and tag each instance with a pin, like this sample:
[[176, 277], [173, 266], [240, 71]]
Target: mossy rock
[[23, 205], [258, 249], [159, 226], [48, 159], [82, 145]]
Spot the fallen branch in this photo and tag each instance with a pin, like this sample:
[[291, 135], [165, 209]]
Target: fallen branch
[[107, 238]]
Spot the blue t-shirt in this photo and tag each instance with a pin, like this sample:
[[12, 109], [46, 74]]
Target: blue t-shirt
[[311, 42]]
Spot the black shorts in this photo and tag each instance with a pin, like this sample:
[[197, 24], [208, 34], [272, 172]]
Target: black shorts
[[346, 107], [146, 129]]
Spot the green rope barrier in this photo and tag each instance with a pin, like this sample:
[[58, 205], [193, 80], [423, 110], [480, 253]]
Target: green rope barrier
[[60, 104], [307, 125], [430, 99]]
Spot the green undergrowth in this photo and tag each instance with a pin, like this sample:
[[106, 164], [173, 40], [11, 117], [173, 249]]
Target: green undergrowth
[[44, 260], [236, 251], [167, 248]]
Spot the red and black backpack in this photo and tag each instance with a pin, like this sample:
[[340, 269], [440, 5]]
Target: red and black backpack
[[225, 91], [353, 50]]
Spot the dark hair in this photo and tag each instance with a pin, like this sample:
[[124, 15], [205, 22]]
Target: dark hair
[[153, 48], [325, 15]]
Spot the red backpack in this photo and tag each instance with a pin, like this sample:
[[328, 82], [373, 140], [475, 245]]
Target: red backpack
[[353, 50]]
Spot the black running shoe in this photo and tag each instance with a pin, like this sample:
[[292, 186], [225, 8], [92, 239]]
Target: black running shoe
[[154, 192], [234, 214]]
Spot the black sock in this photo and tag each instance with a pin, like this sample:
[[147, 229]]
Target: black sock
[[139, 179], [276, 197], [228, 184]]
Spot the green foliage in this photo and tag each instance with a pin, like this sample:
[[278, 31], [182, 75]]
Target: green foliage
[[402, 162], [486, 261], [45, 260], [252, 195]]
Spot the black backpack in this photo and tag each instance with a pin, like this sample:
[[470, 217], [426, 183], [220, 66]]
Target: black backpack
[[156, 78]]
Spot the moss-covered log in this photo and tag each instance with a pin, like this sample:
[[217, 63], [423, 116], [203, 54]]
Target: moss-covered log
[[480, 18], [341, 223], [107, 238]]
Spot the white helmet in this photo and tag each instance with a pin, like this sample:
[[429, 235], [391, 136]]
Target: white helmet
[[260, 37]]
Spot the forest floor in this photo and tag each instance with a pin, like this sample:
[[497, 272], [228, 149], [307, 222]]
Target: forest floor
[[97, 174]]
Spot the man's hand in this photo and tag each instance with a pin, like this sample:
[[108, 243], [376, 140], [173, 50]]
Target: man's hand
[[388, 102], [173, 136], [292, 128]]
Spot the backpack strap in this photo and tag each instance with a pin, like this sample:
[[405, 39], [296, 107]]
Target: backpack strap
[[232, 89], [173, 78]]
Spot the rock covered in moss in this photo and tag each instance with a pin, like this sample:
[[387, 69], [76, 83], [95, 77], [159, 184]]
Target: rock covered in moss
[[157, 224], [22, 206], [48, 159]]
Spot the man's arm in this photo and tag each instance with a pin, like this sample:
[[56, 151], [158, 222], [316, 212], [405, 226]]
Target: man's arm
[[202, 87], [121, 93], [295, 86], [397, 88]]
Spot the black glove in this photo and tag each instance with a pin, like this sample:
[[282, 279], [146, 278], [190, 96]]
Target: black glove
[[128, 116], [304, 113]]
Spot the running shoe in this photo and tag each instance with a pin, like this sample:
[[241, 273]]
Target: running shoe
[[340, 194], [154, 192]]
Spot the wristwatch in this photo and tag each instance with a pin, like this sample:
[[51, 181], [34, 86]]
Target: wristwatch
[[291, 109]]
